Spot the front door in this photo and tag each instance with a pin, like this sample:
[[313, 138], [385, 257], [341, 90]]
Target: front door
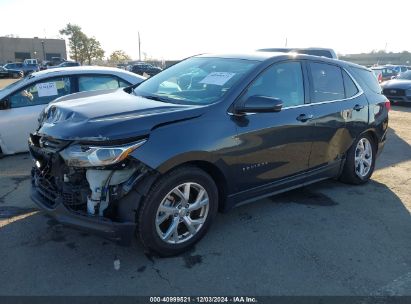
[[21, 118], [275, 145]]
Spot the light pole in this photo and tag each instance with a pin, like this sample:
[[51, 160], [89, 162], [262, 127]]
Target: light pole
[[44, 52], [139, 47]]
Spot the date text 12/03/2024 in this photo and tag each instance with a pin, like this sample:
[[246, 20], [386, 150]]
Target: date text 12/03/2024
[[239, 299]]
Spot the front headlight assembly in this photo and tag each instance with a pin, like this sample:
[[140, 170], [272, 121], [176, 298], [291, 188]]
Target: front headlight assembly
[[96, 156]]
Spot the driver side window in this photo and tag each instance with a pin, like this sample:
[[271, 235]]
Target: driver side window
[[283, 81]]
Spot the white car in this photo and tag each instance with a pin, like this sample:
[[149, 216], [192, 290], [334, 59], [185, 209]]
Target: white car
[[21, 102]]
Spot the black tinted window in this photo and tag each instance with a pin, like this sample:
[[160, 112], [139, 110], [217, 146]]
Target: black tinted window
[[367, 79], [350, 87], [283, 81], [327, 82]]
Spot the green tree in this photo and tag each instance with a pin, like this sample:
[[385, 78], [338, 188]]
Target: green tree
[[119, 56], [82, 48], [91, 49], [76, 39]]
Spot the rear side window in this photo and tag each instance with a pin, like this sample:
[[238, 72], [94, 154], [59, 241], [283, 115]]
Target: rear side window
[[367, 79], [327, 82], [350, 87], [97, 82]]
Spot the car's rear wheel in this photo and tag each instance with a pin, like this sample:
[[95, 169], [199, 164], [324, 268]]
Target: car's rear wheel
[[177, 211], [360, 161]]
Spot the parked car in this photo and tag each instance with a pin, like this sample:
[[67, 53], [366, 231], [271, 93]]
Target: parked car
[[6, 73], [65, 64], [30, 61], [323, 52], [21, 102], [387, 73], [398, 68], [378, 74], [161, 163], [145, 68], [44, 64], [57, 60], [398, 89], [20, 66]]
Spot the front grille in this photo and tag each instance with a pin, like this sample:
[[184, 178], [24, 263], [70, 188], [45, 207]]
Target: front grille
[[394, 92], [52, 144], [46, 186], [47, 143]]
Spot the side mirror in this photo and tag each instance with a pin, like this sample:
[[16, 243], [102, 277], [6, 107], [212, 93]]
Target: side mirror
[[4, 104], [259, 104]]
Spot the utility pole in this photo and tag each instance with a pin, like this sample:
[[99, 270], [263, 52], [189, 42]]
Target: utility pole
[[139, 47], [44, 52]]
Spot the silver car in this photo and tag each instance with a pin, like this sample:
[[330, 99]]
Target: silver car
[[21, 102]]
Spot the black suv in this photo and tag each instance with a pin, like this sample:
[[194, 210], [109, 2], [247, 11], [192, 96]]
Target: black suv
[[145, 68], [161, 159]]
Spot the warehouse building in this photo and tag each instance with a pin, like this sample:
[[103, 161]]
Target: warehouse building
[[18, 49]]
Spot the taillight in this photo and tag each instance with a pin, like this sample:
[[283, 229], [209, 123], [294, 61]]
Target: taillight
[[387, 105], [380, 78]]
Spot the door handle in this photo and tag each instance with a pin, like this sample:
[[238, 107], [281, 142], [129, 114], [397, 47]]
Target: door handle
[[304, 117], [358, 107]]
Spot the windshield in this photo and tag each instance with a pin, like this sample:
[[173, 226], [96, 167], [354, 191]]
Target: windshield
[[197, 80], [14, 84], [405, 75]]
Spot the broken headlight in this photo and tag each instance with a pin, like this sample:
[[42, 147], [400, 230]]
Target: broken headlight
[[95, 156]]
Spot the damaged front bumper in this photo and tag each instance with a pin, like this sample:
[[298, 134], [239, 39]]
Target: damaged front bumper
[[115, 231], [101, 200]]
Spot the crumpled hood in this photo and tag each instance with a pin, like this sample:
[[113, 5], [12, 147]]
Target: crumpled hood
[[109, 115], [397, 84]]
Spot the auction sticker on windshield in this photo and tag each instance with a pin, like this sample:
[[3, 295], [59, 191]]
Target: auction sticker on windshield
[[46, 89], [217, 78]]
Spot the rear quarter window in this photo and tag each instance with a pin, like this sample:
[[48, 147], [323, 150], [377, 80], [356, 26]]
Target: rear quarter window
[[366, 79]]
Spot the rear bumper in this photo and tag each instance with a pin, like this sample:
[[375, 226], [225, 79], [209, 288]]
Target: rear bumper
[[115, 231]]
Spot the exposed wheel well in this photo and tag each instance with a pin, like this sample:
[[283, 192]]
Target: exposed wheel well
[[216, 175]]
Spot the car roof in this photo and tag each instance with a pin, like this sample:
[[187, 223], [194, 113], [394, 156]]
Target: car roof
[[78, 70], [267, 55]]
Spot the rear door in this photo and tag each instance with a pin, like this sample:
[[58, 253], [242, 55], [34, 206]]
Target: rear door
[[273, 146], [20, 119], [340, 113]]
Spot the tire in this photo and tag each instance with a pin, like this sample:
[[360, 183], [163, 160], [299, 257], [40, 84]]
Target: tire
[[161, 239], [352, 173], [15, 75]]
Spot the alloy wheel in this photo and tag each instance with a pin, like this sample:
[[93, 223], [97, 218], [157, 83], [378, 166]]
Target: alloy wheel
[[182, 213], [363, 158]]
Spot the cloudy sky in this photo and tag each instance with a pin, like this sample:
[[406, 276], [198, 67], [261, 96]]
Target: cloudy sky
[[180, 28]]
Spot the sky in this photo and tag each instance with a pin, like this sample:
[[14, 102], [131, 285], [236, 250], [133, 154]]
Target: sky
[[176, 29]]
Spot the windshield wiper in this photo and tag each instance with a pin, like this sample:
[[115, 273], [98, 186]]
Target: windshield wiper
[[154, 97]]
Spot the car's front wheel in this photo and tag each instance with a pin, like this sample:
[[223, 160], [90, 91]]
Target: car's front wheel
[[177, 211], [360, 161]]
